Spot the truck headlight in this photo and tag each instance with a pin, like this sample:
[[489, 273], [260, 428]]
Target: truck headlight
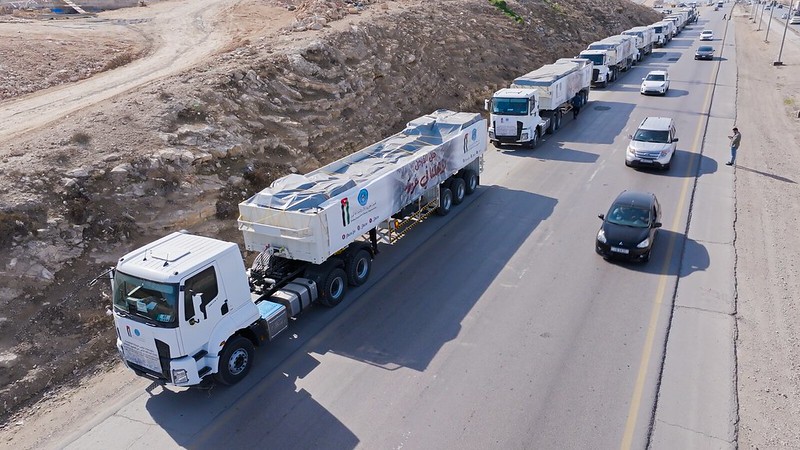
[[491, 133], [179, 376], [523, 137]]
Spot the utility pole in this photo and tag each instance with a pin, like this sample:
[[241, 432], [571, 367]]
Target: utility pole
[[769, 21]]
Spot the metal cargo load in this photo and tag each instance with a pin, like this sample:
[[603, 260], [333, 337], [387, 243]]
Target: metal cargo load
[[311, 217]]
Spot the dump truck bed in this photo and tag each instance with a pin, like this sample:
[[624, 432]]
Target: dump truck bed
[[313, 216]]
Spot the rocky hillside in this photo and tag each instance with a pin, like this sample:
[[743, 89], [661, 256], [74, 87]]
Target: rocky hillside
[[185, 151]]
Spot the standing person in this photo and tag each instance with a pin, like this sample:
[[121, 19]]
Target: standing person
[[576, 106], [736, 139]]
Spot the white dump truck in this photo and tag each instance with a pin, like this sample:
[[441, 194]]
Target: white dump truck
[[610, 56], [535, 102], [680, 20], [645, 38], [664, 32], [187, 310]]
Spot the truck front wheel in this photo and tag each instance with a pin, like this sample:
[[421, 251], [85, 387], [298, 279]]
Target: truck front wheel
[[534, 139], [334, 287], [235, 360]]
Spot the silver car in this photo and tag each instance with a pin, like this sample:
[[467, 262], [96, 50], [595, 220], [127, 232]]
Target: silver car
[[653, 144]]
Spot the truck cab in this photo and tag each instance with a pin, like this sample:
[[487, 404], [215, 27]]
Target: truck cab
[[602, 74], [182, 310], [514, 117]]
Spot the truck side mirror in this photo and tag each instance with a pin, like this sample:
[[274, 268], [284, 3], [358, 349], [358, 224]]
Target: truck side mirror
[[486, 104]]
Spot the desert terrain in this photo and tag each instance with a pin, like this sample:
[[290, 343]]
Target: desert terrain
[[120, 127]]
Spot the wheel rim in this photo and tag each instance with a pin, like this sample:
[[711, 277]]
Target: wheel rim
[[362, 268], [337, 288], [447, 201], [238, 361], [460, 190], [473, 182]]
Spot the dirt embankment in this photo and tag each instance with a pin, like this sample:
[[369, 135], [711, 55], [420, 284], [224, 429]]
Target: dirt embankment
[[184, 150]]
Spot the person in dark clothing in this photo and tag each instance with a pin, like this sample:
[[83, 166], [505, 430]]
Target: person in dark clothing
[[576, 106]]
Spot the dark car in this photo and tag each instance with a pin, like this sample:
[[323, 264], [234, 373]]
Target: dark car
[[630, 227], [704, 52]]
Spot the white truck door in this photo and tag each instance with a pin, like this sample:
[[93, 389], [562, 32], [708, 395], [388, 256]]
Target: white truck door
[[198, 319]]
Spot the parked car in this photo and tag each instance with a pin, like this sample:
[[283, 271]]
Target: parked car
[[795, 20], [706, 35], [653, 144], [656, 82], [629, 228], [704, 52]]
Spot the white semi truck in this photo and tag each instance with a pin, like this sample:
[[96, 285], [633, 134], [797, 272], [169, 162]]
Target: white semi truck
[[645, 38], [186, 309], [535, 102], [610, 56], [664, 31]]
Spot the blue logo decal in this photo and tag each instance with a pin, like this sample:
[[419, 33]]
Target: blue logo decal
[[137, 332], [362, 197], [474, 134]]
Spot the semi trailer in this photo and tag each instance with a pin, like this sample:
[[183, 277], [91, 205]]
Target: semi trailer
[[535, 102], [187, 309]]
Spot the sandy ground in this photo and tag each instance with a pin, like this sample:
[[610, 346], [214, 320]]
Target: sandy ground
[[767, 249], [768, 201]]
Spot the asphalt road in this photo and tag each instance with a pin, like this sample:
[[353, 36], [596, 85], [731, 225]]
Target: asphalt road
[[495, 327]]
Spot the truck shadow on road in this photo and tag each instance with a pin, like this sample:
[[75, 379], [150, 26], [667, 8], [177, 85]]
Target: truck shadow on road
[[419, 293]]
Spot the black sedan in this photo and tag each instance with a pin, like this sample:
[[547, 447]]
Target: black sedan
[[704, 52], [629, 228]]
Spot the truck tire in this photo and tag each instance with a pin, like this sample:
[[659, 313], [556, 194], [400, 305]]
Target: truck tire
[[551, 127], [235, 360], [459, 189], [445, 201], [557, 118], [470, 181], [534, 140], [358, 267], [334, 287]]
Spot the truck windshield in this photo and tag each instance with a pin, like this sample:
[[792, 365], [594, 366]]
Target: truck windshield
[[658, 29], [596, 59], [155, 303], [510, 106]]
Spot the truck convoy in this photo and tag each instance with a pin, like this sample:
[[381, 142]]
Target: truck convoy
[[535, 102], [610, 56], [187, 310]]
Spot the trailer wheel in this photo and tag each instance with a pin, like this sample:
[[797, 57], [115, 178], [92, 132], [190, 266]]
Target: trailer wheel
[[445, 201], [470, 181], [558, 120], [334, 287], [459, 189], [359, 266], [551, 127], [235, 360]]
